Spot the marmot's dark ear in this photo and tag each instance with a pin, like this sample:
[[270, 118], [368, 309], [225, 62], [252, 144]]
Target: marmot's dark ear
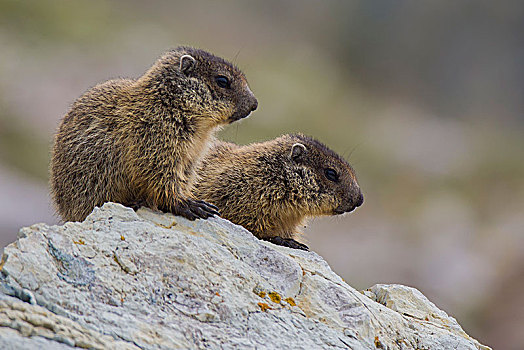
[[187, 63], [298, 151]]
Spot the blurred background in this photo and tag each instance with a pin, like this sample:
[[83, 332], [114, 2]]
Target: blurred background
[[425, 99]]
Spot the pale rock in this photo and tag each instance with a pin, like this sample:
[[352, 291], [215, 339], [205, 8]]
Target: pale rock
[[127, 280]]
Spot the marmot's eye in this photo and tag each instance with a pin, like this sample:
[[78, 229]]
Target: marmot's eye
[[223, 82], [331, 174]]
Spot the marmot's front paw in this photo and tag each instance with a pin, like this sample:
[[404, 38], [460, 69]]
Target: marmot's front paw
[[287, 242], [193, 209]]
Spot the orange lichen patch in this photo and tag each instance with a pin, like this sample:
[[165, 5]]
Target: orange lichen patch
[[174, 223], [290, 301], [264, 306], [122, 238], [275, 297], [217, 294], [188, 231], [444, 321], [261, 294], [378, 344], [2, 261], [80, 241]]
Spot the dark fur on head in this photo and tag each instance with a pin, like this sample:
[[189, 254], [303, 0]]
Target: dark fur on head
[[185, 78]]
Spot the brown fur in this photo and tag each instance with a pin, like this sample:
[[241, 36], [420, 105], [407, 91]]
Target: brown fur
[[137, 142], [270, 188]]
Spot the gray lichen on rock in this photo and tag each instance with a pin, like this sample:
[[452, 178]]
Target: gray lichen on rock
[[125, 279]]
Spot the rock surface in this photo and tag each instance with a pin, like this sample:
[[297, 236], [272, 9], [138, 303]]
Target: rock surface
[[145, 280]]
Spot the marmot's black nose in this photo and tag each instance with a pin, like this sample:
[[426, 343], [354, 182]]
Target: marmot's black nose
[[254, 105], [360, 200]]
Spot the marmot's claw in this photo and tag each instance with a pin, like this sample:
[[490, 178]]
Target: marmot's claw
[[200, 213], [208, 204], [187, 213], [202, 209], [192, 209], [287, 242]]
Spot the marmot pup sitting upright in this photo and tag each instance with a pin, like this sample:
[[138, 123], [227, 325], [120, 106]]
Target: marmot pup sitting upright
[[137, 141]]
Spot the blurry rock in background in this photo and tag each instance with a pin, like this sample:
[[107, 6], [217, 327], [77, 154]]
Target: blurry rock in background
[[425, 99]]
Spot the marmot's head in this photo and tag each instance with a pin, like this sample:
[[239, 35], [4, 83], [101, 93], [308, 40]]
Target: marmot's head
[[322, 182], [203, 85]]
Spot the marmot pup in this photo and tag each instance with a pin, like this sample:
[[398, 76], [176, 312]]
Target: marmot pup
[[138, 141], [271, 187]]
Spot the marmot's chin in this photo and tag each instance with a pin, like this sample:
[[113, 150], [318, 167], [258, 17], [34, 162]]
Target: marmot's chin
[[237, 116], [341, 211]]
